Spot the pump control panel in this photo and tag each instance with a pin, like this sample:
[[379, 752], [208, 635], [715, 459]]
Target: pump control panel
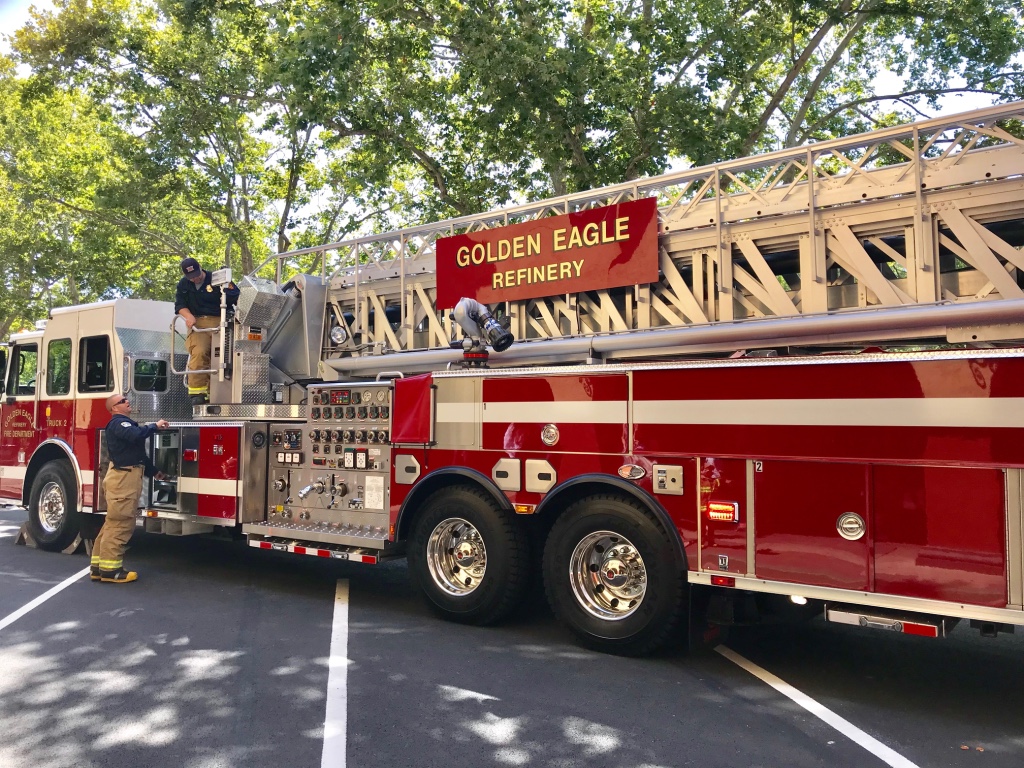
[[331, 474]]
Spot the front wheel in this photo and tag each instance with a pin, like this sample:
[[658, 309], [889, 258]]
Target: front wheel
[[468, 557], [611, 577], [53, 517]]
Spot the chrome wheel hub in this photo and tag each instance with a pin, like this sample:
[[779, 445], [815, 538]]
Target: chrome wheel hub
[[51, 507], [456, 556], [608, 576]]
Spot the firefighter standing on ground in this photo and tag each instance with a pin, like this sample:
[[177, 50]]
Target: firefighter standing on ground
[[198, 302], [126, 445]]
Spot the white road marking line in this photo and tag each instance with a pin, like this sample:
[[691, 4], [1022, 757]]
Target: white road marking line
[[336, 720], [844, 726], [13, 617]]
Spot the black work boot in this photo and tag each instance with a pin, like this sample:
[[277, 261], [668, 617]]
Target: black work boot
[[199, 399], [94, 572], [120, 576]]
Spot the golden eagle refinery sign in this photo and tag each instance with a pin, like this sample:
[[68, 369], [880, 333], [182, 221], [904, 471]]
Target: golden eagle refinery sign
[[605, 247]]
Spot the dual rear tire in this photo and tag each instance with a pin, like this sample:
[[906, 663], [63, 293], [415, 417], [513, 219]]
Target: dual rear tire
[[610, 574]]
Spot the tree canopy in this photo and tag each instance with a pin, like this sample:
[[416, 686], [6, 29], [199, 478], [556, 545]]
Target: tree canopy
[[135, 132]]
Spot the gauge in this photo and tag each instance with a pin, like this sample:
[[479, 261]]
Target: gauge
[[367, 396], [382, 395]]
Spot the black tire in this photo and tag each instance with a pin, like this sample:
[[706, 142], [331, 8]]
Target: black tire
[[611, 576], [53, 517], [455, 528]]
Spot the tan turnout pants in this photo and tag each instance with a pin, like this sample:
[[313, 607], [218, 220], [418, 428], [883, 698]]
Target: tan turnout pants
[[198, 346], [122, 488]]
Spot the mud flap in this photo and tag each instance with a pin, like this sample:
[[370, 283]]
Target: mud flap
[[702, 634]]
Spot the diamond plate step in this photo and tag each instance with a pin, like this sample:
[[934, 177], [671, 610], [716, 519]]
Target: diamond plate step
[[348, 535]]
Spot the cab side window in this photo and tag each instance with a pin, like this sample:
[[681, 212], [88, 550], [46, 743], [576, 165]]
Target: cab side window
[[58, 367], [95, 373], [3, 365], [149, 376], [21, 379]]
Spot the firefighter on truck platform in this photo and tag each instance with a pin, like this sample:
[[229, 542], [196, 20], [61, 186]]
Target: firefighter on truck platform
[[126, 444], [198, 302]]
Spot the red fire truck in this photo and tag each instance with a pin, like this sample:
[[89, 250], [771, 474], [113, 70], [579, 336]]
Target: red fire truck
[[785, 384]]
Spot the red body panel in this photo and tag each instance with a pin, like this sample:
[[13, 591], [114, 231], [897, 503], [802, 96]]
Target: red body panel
[[723, 480], [218, 460], [680, 509], [17, 443], [915, 447], [938, 534], [578, 435], [925, 411]]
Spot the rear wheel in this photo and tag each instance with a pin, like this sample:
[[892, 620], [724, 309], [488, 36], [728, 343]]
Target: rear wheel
[[53, 517], [611, 577], [468, 556]]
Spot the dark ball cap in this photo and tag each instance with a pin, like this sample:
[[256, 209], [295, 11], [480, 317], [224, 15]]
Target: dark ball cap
[[190, 267]]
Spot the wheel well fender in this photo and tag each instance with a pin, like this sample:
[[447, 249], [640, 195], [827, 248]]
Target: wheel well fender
[[51, 450], [435, 481], [582, 486]]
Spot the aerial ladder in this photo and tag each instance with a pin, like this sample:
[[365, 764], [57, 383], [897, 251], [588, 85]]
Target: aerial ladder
[[908, 234]]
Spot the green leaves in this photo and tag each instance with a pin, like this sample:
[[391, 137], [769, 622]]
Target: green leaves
[[139, 132]]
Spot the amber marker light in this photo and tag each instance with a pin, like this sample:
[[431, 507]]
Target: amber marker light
[[524, 509], [724, 511]]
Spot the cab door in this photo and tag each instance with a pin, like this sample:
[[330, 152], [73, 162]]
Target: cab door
[[18, 435]]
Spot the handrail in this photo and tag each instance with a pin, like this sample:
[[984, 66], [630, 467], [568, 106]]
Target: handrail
[[188, 371]]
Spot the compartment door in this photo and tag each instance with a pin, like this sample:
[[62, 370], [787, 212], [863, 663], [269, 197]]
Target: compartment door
[[940, 533], [800, 508]]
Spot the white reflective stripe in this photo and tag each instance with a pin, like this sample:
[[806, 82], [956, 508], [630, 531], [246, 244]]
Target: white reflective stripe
[[207, 486], [456, 412], [560, 412], [88, 477], [13, 473], [845, 412]]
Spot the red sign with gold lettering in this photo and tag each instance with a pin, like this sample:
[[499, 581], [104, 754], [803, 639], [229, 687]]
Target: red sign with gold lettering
[[600, 248]]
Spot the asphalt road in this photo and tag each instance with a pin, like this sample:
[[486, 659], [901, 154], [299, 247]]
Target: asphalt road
[[218, 657]]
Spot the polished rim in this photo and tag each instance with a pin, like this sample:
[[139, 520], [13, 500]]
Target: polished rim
[[608, 576], [456, 556], [51, 507]]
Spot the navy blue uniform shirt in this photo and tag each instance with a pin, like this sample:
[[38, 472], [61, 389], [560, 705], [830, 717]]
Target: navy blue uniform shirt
[[126, 443], [202, 300]]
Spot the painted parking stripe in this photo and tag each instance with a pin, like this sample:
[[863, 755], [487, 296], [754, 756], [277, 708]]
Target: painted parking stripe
[[844, 726], [13, 617], [336, 720]]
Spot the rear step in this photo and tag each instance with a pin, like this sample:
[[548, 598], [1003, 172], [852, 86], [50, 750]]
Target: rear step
[[907, 624], [334, 551]]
